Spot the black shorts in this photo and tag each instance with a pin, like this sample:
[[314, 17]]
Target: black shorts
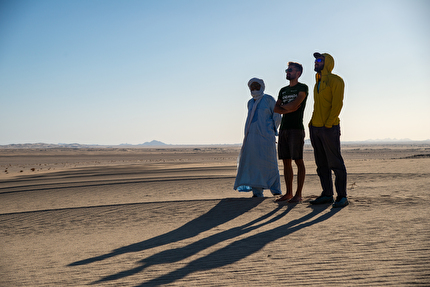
[[290, 144]]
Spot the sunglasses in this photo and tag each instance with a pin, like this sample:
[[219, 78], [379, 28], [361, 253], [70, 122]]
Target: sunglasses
[[319, 60], [289, 70]]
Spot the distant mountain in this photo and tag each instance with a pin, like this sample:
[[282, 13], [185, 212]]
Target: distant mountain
[[153, 143], [46, 145], [159, 144], [76, 145], [389, 141]]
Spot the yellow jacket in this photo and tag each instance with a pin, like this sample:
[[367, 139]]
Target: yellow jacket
[[328, 99]]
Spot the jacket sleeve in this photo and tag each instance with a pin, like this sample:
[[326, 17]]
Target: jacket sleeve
[[337, 88]]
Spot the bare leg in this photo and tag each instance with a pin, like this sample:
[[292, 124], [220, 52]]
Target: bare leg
[[301, 173], [288, 176]]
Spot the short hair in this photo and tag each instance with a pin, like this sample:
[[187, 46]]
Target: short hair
[[298, 66]]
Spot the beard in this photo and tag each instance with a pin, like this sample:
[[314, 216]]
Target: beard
[[289, 77], [318, 69]]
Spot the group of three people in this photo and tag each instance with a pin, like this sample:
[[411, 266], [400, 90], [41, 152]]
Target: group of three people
[[258, 159]]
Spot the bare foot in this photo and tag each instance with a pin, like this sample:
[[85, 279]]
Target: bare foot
[[296, 199], [286, 197]]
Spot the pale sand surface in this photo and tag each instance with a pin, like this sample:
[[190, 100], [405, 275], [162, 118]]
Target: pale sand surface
[[170, 217]]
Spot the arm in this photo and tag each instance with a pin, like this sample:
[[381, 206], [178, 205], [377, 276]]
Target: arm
[[278, 109], [291, 106], [337, 102]]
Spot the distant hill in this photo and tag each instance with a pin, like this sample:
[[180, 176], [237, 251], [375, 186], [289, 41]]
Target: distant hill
[[390, 141], [153, 143], [156, 143], [76, 145], [46, 145]]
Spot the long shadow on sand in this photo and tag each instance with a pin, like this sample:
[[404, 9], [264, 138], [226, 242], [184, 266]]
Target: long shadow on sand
[[227, 255], [224, 211]]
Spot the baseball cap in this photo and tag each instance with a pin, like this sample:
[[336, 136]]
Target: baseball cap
[[318, 55]]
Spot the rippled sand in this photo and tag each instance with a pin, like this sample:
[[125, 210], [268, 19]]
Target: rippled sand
[[170, 217]]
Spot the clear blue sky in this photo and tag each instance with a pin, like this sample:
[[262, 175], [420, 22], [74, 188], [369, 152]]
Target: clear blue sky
[[112, 72]]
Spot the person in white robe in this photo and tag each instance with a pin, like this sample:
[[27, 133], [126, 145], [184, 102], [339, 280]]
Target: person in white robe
[[258, 163]]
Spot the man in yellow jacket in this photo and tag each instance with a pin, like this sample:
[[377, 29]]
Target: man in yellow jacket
[[324, 131]]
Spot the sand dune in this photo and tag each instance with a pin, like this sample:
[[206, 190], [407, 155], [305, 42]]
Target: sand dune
[[169, 217]]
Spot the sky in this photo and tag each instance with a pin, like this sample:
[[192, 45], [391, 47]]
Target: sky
[[113, 72]]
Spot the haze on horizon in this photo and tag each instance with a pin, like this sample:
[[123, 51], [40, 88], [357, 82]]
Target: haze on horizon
[[112, 72]]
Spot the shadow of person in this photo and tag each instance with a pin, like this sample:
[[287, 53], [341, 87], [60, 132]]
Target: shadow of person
[[243, 248], [224, 256], [224, 211], [178, 254]]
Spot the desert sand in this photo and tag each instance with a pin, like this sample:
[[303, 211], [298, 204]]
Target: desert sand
[[170, 217]]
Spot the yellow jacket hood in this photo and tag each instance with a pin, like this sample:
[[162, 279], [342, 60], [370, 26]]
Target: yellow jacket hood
[[328, 64]]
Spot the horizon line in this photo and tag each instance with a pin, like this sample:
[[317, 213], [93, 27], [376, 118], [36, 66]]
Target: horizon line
[[162, 144]]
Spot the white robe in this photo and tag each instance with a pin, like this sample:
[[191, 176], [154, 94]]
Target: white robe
[[258, 162]]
